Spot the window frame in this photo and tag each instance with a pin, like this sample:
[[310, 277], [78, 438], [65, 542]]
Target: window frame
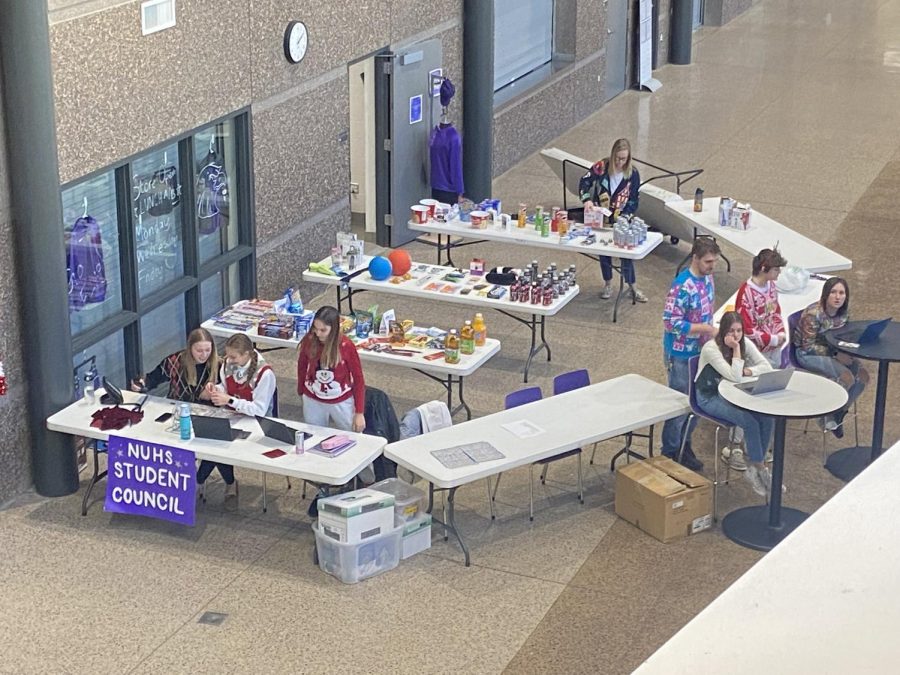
[[134, 307]]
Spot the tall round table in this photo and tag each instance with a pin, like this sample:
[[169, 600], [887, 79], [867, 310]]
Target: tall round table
[[807, 395], [848, 462]]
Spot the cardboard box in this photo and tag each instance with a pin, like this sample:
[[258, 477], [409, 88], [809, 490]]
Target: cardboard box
[[663, 498], [356, 516]]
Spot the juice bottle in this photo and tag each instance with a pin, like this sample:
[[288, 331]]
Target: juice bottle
[[538, 218], [522, 216], [480, 330], [451, 347], [467, 339]]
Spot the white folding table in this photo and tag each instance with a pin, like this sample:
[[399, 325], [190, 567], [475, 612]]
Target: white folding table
[[360, 280], [247, 453], [764, 232], [455, 229], [447, 374], [566, 421]]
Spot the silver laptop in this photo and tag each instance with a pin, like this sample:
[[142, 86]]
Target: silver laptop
[[774, 380]]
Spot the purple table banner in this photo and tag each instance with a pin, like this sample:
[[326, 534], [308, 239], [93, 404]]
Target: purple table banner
[[150, 479]]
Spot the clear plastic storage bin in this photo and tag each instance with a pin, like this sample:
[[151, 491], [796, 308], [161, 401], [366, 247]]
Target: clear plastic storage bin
[[354, 562], [409, 501]]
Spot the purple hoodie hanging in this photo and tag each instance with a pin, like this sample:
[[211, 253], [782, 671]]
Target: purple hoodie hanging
[[212, 196], [84, 264]]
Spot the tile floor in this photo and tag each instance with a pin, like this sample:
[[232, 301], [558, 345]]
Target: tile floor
[[791, 107]]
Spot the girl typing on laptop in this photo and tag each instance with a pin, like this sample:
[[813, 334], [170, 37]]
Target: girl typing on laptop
[[733, 357]]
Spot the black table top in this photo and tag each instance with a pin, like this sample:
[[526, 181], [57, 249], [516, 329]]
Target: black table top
[[886, 348]]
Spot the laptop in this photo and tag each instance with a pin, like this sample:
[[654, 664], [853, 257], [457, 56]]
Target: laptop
[[774, 380], [216, 428], [868, 335], [278, 430]]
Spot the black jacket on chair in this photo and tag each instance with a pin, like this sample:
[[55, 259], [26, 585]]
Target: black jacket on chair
[[381, 420]]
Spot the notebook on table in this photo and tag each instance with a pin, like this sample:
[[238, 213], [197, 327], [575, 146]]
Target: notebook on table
[[774, 380], [333, 445], [216, 428]]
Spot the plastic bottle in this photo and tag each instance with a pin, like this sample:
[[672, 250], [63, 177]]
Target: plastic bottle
[[698, 200], [480, 330], [89, 391], [522, 216], [539, 218], [184, 421], [451, 347], [467, 339]]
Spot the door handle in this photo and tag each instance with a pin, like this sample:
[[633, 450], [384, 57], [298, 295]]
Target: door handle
[[609, 32]]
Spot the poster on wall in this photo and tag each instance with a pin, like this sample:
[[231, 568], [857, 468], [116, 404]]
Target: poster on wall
[[151, 480], [645, 46], [415, 109]]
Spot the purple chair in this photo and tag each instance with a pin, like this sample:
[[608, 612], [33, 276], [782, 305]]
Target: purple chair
[[696, 411], [574, 379], [561, 384], [513, 400], [793, 321]]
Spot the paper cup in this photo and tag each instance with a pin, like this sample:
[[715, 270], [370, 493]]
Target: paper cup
[[419, 214], [479, 219], [430, 203]]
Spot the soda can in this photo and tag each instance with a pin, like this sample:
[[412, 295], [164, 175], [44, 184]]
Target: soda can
[[299, 442]]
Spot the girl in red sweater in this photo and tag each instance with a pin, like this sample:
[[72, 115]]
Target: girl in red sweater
[[329, 375]]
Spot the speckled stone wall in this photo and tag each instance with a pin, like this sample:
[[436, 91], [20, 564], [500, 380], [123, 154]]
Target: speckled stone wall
[[118, 92], [720, 12], [288, 140], [15, 440]]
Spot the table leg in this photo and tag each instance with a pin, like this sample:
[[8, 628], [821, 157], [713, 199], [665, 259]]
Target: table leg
[[98, 476], [848, 462], [450, 525], [533, 327], [618, 269], [447, 384], [763, 527], [462, 401]]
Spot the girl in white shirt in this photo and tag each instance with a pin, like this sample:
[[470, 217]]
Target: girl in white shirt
[[733, 357]]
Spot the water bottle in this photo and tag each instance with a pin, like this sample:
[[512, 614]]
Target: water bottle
[[185, 421], [89, 391], [175, 420]]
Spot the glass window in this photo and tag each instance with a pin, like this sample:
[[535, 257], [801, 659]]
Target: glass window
[[163, 332], [219, 290], [523, 38], [215, 174], [109, 358], [90, 218], [156, 212]]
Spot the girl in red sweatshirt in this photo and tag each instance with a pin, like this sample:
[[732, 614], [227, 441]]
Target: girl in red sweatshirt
[[329, 375]]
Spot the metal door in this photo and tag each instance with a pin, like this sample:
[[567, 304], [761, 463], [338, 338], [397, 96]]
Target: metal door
[[406, 112], [616, 46]]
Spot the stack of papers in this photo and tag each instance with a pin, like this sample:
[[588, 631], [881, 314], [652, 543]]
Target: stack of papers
[[467, 454]]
